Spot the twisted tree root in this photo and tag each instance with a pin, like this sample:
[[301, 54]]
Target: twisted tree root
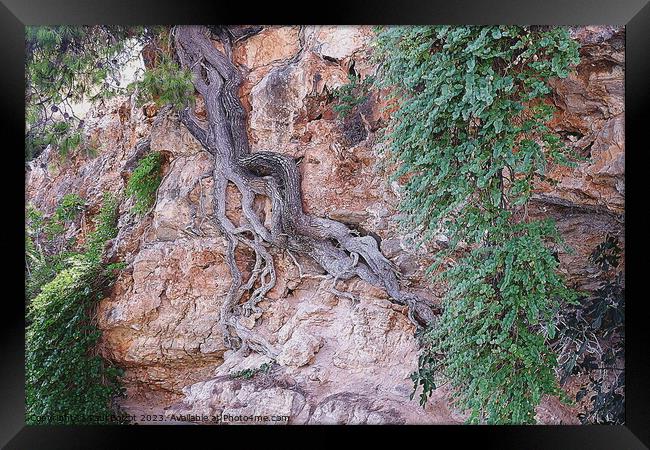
[[340, 252]]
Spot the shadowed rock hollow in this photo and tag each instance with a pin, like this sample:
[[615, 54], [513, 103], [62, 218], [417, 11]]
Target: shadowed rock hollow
[[338, 361]]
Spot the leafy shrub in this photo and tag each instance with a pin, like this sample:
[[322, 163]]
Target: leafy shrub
[[69, 208], [144, 182], [46, 251], [469, 136], [66, 383], [105, 229]]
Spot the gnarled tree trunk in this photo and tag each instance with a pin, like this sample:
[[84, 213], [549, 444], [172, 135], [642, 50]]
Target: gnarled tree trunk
[[340, 252]]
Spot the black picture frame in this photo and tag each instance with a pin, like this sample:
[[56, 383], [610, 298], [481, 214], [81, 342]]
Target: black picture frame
[[16, 14]]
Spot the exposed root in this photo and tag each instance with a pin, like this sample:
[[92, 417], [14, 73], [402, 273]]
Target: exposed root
[[342, 294], [340, 251]]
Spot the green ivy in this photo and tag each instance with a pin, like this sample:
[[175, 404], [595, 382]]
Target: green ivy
[[144, 182], [469, 137], [493, 333], [66, 382]]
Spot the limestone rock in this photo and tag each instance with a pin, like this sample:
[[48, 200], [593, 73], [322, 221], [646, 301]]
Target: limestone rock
[[353, 409], [591, 116], [300, 349]]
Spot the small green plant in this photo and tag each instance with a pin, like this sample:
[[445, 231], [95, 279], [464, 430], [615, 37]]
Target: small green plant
[[35, 221], [351, 94], [247, 374], [66, 382], [105, 227], [69, 208], [144, 182]]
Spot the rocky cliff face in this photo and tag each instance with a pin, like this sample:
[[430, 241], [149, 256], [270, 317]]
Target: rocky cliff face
[[341, 361]]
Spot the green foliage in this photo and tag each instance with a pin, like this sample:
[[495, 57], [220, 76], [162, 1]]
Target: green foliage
[[57, 61], [247, 374], [471, 115], [492, 336], [36, 271], [351, 94], [41, 268], [64, 65], [591, 341], [105, 229], [58, 134], [46, 250], [469, 136], [166, 84], [144, 182], [66, 383], [69, 208]]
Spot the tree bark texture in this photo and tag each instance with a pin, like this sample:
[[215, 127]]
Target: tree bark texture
[[342, 253]]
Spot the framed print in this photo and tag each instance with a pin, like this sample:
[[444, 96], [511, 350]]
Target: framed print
[[410, 219]]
